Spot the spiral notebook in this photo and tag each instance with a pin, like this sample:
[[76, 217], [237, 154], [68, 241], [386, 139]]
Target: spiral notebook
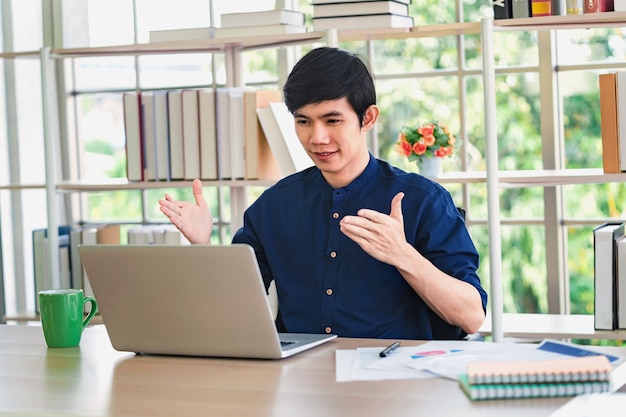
[[537, 378]]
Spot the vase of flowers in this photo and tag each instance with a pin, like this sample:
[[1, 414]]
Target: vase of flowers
[[426, 144]]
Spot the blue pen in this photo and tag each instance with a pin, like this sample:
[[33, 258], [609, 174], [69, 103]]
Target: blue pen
[[387, 351]]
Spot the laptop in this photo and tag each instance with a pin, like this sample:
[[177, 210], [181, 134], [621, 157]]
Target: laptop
[[193, 300]]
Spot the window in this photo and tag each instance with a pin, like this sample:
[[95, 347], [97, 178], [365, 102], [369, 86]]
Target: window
[[546, 234]]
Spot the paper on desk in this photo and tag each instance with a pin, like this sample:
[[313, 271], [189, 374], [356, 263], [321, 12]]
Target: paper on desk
[[449, 358], [353, 365]]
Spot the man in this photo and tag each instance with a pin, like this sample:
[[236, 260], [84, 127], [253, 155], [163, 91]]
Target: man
[[356, 247]]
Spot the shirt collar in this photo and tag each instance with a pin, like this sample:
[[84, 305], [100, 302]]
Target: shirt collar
[[366, 176]]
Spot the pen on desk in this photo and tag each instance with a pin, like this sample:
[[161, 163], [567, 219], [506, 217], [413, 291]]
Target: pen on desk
[[387, 351]]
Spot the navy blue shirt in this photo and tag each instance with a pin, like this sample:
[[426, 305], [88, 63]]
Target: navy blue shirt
[[326, 283]]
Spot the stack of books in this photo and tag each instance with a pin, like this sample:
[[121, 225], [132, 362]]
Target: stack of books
[[364, 14], [257, 23], [609, 241], [265, 22], [537, 378]]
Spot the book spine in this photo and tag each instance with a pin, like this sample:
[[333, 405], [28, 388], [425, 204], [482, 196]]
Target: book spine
[[502, 9], [521, 8], [574, 6], [591, 6], [605, 6], [541, 8]]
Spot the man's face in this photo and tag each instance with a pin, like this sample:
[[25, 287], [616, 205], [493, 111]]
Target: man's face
[[332, 136]]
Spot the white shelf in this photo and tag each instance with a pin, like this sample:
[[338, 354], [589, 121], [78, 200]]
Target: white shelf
[[580, 21], [506, 179], [123, 184], [554, 326], [193, 46], [17, 187], [539, 178]]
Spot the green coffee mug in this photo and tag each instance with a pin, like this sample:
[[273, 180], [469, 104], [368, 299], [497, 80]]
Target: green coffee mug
[[62, 316]]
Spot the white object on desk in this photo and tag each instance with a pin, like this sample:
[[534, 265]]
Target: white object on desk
[[593, 405]]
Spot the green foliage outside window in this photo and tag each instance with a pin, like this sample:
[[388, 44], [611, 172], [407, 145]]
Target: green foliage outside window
[[405, 94]]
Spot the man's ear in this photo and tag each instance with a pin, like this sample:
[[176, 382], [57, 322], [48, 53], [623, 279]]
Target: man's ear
[[370, 117]]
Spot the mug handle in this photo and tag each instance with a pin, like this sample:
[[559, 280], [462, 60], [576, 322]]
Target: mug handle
[[92, 312]]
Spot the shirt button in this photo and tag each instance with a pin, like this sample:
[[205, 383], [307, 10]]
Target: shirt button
[[329, 291], [328, 330], [333, 254], [335, 215]]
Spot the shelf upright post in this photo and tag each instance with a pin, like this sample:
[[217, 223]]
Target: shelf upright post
[[238, 194], [3, 310], [493, 193], [49, 136]]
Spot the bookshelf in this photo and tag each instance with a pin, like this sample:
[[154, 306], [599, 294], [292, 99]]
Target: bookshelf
[[232, 47]]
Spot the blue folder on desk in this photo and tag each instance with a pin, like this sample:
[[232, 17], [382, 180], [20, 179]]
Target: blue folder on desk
[[198, 300]]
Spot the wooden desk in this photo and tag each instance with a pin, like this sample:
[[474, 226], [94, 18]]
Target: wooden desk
[[95, 380], [553, 326]]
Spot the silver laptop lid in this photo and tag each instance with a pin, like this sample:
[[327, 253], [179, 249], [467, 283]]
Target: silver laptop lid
[[196, 300]]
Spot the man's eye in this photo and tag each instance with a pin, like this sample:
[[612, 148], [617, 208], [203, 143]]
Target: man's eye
[[333, 121]]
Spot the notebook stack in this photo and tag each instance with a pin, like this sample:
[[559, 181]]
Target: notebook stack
[[264, 22], [537, 378], [364, 14]]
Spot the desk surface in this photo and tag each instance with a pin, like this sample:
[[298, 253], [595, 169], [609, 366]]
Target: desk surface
[[95, 380]]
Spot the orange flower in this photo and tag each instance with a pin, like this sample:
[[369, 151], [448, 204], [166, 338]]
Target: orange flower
[[419, 148], [404, 148]]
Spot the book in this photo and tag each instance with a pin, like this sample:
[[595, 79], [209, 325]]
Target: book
[[263, 17], [222, 122], [598, 6], [238, 144], [502, 9], [208, 134], [260, 162], [191, 134], [568, 369], [161, 136], [557, 7], [608, 117], [374, 21], [76, 267], [620, 117], [360, 8], [184, 34], [93, 234], [133, 131], [605, 237], [314, 2], [520, 9], [257, 30], [155, 234], [620, 272], [574, 6], [149, 139], [540, 8], [508, 391], [591, 6], [278, 125], [175, 120], [41, 261]]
